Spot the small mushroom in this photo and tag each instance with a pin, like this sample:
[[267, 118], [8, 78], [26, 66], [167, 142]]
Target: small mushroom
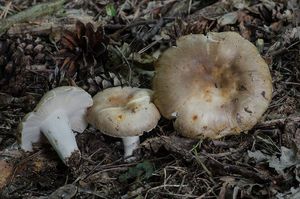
[[214, 85], [60, 111], [124, 112]]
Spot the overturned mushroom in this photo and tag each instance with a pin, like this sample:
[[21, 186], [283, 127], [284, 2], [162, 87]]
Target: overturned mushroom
[[124, 112], [214, 85], [60, 111]]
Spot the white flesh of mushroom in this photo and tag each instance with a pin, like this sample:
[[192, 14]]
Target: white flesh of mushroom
[[60, 111], [58, 131], [130, 144]]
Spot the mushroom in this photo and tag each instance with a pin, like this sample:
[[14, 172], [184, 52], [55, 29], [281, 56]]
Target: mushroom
[[60, 111], [124, 112], [214, 85]]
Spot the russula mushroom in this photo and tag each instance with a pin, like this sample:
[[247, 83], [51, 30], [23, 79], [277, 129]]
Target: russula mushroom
[[124, 112], [60, 111], [214, 85]]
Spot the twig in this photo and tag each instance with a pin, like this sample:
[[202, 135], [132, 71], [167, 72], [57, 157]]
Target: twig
[[163, 186], [199, 161], [91, 192], [149, 46], [153, 31], [282, 50], [137, 23], [127, 63], [258, 177], [220, 155], [30, 14], [186, 195], [292, 83], [120, 28], [277, 122], [5, 11]]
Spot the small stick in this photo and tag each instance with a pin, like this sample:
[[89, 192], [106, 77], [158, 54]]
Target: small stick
[[30, 14], [277, 122]]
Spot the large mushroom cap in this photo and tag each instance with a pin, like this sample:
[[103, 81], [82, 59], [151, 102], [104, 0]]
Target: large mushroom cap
[[215, 85], [123, 112], [73, 101]]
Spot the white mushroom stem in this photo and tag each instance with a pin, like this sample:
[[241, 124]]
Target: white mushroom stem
[[58, 131], [130, 144]]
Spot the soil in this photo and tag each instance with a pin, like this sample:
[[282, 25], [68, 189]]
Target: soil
[[263, 162]]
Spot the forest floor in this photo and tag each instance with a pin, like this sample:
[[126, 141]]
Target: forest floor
[[36, 55]]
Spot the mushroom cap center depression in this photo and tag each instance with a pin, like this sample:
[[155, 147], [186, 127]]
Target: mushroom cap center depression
[[119, 100], [215, 84], [124, 102]]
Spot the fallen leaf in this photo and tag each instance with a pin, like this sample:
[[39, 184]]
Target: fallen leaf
[[287, 159], [293, 193], [228, 19], [258, 156], [67, 191]]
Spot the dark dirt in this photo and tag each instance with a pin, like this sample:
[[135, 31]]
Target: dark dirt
[[261, 163]]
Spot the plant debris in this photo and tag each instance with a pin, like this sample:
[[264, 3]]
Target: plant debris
[[83, 49], [116, 43]]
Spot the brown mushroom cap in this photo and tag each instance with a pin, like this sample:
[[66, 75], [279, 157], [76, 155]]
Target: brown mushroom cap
[[215, 85], [123, 112]]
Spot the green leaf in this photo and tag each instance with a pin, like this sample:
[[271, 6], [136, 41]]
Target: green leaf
[[110, 10], [142, 170]]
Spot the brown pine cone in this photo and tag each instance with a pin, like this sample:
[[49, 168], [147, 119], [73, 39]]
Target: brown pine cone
[[17, 56], [181, 27], [82, 50], [103, 81]]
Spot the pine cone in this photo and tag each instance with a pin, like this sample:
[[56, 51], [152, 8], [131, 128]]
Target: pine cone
[[17, 56], [105, 80], [181, 27], [82, 49]]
